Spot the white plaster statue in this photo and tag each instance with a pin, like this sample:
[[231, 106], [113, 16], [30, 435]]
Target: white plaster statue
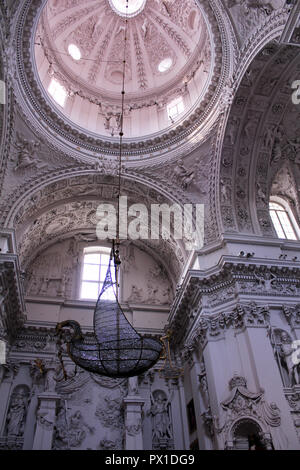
[[112, 123], [232, 128], [182, 174], [269, 137], [77, 433], [286, 353], [160, 414], [225, 191], [16, 415], [50, 384], [26, 153]]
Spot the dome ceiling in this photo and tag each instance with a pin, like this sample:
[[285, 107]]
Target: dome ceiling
[[80, 45]]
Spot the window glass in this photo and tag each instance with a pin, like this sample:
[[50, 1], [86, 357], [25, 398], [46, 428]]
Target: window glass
[[58, 92], [175, 108], [282, 221], [94, 270]]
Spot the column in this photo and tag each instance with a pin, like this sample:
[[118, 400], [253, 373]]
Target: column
[[185, 427], [133, 423], [270, 380], [133, 417], [195, 371], [7, 372], [46, 416]]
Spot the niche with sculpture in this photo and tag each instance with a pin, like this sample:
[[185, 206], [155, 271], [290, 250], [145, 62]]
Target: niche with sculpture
[[284, 355], [160, 411], [16, 415]]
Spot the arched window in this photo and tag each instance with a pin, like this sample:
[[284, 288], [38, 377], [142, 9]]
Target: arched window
[[94, 267], [283, 219], [175, 108], [58, 92]]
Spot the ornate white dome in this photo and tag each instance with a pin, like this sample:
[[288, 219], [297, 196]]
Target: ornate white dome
[[79, 56]]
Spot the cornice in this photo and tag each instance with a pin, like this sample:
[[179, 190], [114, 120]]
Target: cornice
[[212, 328], [233, 279]]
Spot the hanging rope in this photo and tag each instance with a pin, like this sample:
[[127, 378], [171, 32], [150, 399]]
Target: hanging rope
[[116, 246], [168, 370]]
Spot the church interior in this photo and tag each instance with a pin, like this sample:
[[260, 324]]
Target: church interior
[[162, 104]]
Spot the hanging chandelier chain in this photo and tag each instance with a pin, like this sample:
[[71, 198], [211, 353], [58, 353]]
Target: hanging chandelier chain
[[116, 250], [121, 134]]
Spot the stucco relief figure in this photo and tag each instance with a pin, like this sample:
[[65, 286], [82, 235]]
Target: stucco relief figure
[[286, 352], [128, 258], [110, 413], [182, 175], [17, 414], [65, 280], [163, 5], [112, 123], [152, 291], [260, 193], [51, 381], [26, 153], [225, 191], [145, 27], [295, 144], [232, 129], [61, 438], [277, 147], [272, 415], [107, 444], [167, 296], [44, 285], [266, 281], [136, 294], [77, 433], [269, 137], [97, 29], [161, 421]]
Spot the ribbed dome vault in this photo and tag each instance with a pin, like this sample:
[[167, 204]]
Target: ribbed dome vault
[[168, 57]]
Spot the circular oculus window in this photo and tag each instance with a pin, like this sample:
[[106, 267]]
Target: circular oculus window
[[130, 8], [165, 64], [74, 52]]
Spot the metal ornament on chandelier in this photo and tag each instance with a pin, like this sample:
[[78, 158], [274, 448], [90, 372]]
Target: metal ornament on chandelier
[[119, 351]]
